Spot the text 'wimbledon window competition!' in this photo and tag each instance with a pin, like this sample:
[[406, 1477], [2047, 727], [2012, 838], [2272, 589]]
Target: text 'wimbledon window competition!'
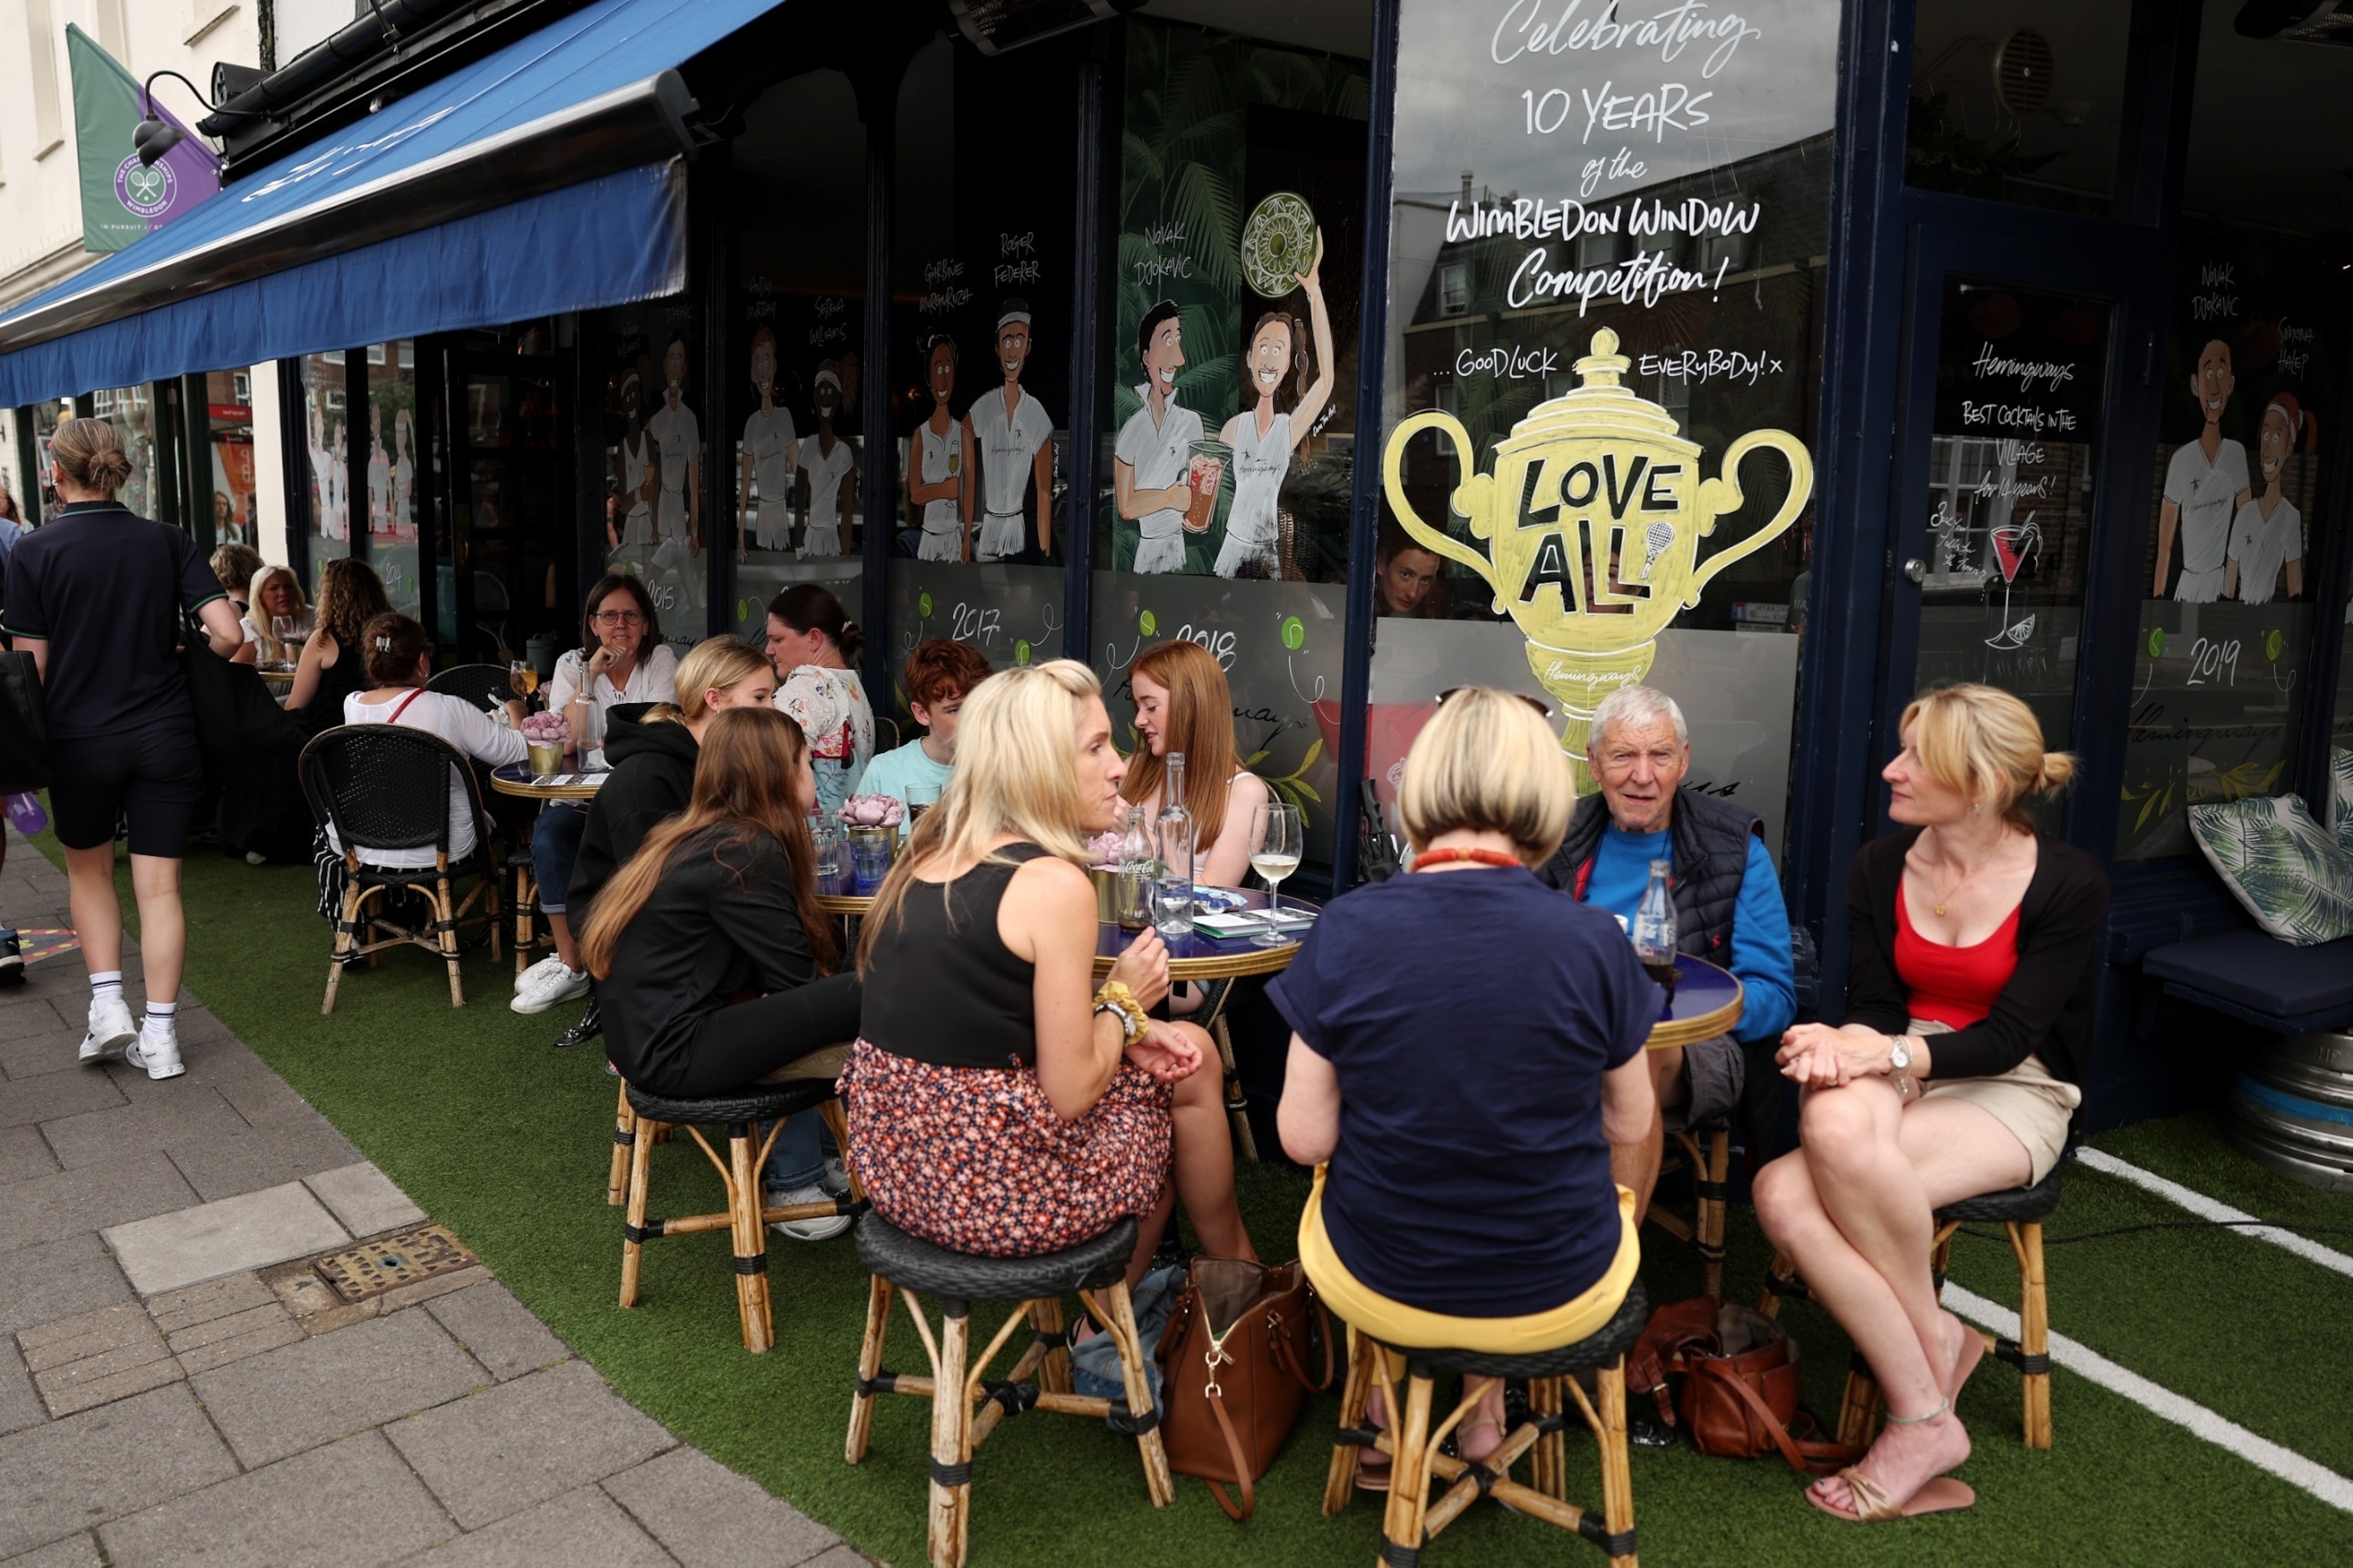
[[1605, 295], [1230, 448], [2248, 379]]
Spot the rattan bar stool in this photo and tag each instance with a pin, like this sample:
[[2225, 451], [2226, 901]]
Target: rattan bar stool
[[746, 1215], [1710, 1165], [2020, 1212], [966, 1403], [1413, 1443]]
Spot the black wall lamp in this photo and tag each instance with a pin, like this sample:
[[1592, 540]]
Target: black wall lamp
[[156, 136]]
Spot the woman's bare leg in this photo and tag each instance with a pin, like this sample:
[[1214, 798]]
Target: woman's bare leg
[[97, 915], [1149, 1228], [1205, 1157]]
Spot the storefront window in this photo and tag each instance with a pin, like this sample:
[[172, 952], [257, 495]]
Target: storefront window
[[794, 338], [228, 419], [511, 469], [654, 452], [980, 383], [2019, 101], [326, 420], [392, 470], [131, 411], [1605, 302], [47, 417], [1227, 456]]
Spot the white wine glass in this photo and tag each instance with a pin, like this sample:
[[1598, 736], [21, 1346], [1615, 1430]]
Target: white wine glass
[[1277, 836]]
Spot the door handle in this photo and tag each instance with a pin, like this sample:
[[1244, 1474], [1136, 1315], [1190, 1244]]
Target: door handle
[[1914, 569]]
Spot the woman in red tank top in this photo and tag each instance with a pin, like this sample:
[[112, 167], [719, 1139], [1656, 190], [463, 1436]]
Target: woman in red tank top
[[1970, 989]]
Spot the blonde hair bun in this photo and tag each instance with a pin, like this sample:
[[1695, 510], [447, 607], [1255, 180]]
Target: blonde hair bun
[[1985, 743]]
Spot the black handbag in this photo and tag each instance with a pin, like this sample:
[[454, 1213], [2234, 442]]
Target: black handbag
[[23, 726], [236, 718]]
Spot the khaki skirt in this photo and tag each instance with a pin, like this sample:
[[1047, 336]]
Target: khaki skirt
[[2035, 1107]]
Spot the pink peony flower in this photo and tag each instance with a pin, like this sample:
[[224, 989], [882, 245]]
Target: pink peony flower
[[544, 728], [873, 812], [1104, 849]]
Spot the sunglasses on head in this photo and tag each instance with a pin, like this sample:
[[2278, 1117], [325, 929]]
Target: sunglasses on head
[[1543, 711]]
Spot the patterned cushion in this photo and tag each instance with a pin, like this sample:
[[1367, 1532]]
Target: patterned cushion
[[2340, 794], [2295, 879]]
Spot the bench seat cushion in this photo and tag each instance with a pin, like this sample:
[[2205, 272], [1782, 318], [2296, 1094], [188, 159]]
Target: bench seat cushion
[[2260, 972]]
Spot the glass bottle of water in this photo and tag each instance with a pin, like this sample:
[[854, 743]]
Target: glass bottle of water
[[1654, 927], [1137, 865], [1172, 898]]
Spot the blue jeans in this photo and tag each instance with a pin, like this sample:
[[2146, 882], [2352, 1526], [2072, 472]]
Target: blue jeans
[[798, 1158], [555, 845]]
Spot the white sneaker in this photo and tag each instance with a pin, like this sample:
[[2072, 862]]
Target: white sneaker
[[157, 1051], [837, 1176], [545, 983], [110, 1030], [818, 1229]]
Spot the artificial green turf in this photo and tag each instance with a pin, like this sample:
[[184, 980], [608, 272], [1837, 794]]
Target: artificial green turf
[[508, 1143]]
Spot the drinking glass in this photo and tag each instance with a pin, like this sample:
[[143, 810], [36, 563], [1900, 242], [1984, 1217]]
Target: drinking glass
[[282, 628], [1277, 836], [523, 676]]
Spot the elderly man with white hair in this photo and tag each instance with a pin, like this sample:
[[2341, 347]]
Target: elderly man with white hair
[[1727, 902]]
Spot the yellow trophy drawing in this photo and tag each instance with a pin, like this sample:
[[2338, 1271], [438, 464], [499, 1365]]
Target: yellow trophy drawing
[[1593, 518]]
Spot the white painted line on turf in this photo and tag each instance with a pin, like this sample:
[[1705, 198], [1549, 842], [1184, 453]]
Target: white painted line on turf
[[2206, 1208], [2085, 1362]]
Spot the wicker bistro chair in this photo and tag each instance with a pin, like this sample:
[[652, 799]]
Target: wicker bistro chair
[[1710, 1164], [1413, 1444], [386, 788], [967, 1404], [796, 1087], [484, 685], [2020, 1212]]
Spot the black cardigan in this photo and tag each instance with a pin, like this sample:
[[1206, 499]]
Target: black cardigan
[[2046, 1008]]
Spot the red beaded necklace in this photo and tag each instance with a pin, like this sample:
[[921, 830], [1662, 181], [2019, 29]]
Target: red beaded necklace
[[1428, 858]]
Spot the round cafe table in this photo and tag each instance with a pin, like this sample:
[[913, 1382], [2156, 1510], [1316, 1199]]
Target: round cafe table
[[515, 778], [1198, 955], [1707, 1002]]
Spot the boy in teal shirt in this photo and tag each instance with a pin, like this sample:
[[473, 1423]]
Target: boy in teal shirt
[[939, 676]]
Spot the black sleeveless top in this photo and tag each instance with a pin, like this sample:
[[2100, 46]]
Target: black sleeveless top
[[940, 985]]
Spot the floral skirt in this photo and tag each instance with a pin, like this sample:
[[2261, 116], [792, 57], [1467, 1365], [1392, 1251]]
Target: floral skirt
[[975, 1160]]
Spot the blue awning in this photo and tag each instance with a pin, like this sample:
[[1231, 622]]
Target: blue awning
[[545, 177]]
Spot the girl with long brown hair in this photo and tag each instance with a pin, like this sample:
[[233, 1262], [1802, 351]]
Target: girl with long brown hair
[[334, 660], [721, 898], [1000, 1102], [1183, 705]]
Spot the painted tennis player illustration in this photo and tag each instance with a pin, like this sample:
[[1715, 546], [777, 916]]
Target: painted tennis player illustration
[[2205, 486], [942, 458], [1012, 438], [638, 480], [1155, 477], [678, 445], [831, 464], [1262, 436], [770, 447], [2267, 535]]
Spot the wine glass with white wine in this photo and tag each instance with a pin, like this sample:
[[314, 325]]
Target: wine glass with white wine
[[1276, 837]]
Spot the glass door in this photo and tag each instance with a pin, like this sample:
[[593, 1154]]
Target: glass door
[[2008, 501], [508, 478]]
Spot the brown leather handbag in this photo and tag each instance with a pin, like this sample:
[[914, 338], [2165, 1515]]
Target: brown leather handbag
[[1233, 1364], [1740, 1394]]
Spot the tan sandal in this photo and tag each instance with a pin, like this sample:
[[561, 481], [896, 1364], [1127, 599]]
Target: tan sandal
[[1872, 1505]]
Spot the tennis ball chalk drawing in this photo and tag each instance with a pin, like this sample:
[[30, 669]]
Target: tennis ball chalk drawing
[[2273, 644], [1294, 633], [2157, 642], [1022, 653], [923, 605], [1147, 623]]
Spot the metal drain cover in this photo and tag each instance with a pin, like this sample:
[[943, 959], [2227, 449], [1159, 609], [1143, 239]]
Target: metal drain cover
[[390, 1262]]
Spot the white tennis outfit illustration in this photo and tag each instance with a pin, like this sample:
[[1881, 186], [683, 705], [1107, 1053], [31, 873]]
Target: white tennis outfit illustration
[[379, 483], [1158, 454], [941, 457], [2261, 546], [769, 442], [638, 523], [1008, 451], [678, 435], [2207, 493], [826, 473], [1260, 462]]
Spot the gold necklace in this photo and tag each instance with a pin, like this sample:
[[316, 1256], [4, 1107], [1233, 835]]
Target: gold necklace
[[1946, 897]]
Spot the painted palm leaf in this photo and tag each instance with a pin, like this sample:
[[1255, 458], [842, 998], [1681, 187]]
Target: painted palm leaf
[[2340, 794], [2295, 879]]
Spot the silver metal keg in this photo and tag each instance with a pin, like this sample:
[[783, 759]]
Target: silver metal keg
[[2292, 1110]]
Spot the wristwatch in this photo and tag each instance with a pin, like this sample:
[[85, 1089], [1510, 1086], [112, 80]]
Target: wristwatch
[[1899, 1053]]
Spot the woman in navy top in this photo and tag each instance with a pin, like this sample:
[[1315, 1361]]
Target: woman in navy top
[[1466, 1200], [100, 598]]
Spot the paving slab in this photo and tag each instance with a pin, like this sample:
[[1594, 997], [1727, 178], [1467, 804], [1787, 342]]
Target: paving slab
[[208, 1240], [195, 1115], [196, 1304], [351, 1504], [364, 1199], [30, 1025], [73, 1552], [90, 1199], [707, 1516], [525, 1441], [581, 1528], [20, 1403], [24, 1153], [499, 1331], [284, 1401], [68, 1475], [226, 1339], [49, 1095], [284, 1149], [58, 1279]]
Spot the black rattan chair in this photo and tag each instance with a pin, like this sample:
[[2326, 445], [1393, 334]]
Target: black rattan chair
[[381, 786], [484, 685]]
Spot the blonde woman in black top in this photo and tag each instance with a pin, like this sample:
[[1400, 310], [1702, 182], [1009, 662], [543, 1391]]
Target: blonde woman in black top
[[1968, 1029]]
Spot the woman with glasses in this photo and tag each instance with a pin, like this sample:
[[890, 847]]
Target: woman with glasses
[[622, 659]]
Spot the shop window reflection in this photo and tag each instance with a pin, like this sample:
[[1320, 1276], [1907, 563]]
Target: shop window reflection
[[654, 449], [2017, 101], [131, 411], [326, 420], [228, 421], [393, 501]]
